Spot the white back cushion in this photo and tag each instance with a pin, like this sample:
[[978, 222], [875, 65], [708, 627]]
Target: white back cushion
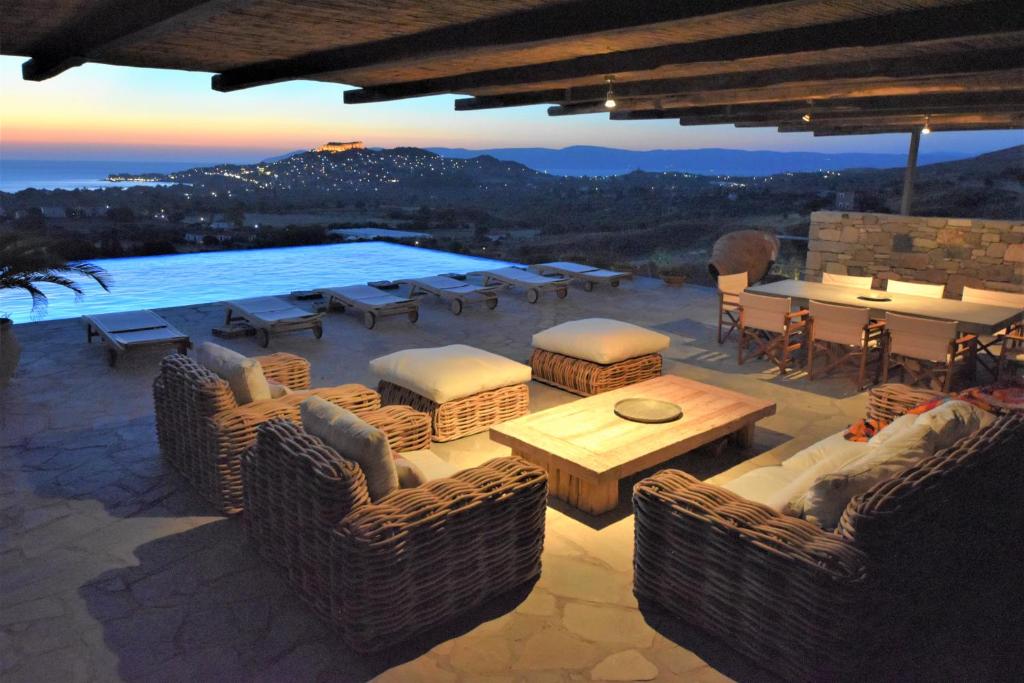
[[600, 340], [993, 297], [954, 420], [355, 440], [823, 503], [763, 312], [839, 324], [243, 375], [915, 288], [858, 281], [921, 338]]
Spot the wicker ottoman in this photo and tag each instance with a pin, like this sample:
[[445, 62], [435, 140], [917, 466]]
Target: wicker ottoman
[[465, 390], [595, 355]]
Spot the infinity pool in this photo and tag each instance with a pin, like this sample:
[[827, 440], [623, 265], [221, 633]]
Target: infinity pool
[[183, 279]]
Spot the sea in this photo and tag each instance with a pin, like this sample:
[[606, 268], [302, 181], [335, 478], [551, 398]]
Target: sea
[[22, 174]]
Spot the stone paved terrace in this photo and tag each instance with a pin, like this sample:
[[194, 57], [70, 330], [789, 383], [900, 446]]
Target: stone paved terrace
[[112, 569]]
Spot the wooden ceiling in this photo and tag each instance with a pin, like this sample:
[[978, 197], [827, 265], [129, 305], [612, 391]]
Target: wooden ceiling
[[853, 66]]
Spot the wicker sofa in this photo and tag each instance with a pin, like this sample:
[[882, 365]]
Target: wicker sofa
[[202, 431], [815, 605], [382, 572]]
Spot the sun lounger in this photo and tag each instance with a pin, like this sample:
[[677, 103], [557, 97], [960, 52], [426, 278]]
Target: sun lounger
[[456, 293], [373, 303], [272, 315], [588, 275], [532, 282], [132, 330]]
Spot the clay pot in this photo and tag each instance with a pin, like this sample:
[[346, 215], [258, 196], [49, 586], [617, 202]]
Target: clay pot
[[10, 351], [744, 251]]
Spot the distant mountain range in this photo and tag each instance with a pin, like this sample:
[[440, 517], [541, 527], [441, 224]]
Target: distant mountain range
[[595, 161]]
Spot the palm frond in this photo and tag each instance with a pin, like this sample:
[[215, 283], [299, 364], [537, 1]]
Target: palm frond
[[24, 264]]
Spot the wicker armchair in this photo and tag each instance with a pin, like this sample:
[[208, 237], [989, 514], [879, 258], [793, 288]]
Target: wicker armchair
[[817, 605], [203, 431], [382, 572]]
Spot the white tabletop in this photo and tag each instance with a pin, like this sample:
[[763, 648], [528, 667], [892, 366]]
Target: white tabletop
[[970, 317]]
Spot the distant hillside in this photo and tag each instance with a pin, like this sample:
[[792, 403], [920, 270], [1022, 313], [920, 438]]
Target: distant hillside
[[596, 161]]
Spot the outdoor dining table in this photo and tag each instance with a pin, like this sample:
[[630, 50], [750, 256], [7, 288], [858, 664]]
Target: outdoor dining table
[[970, 317]]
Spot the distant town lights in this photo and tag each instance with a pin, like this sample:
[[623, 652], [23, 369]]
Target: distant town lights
[[609, 98]]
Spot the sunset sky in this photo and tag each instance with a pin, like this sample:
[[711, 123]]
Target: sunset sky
[[104, 112]]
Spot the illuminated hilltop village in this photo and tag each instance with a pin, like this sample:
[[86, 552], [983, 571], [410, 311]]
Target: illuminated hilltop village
[[340, 146]]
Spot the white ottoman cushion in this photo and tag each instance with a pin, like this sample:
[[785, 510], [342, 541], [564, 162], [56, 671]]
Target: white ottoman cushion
[[600, 340], [451, 372]]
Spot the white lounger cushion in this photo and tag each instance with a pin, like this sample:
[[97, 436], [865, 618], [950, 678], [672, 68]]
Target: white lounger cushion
[[243, 375], [448, 373], [355, 440], [600, 340]]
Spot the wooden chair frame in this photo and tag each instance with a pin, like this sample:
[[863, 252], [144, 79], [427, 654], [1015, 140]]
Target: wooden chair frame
[[776, 346], [961, 348], [842, 354], [728, 314], [1011, 341], [989, 359]]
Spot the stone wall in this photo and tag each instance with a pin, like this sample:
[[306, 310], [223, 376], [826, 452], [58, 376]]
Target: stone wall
[[950, 251]]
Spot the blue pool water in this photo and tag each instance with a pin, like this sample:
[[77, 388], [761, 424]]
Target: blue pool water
[[183, 279]]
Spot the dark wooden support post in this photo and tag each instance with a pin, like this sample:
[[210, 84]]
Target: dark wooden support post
[[910, 173]]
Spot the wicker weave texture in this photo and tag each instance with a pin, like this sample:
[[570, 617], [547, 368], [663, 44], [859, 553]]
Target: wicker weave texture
[[888, 401], [587, 378], [779, 589], [385, 571], [203, 432], [284, 368], [951, 516], [464, 416], [815, 605]]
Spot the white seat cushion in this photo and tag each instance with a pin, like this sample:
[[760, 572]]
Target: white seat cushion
[[430, 466], [832, 448], [600, 340], [243, 375], [354, 440], [451, 372], [765, 485], [775, 486]]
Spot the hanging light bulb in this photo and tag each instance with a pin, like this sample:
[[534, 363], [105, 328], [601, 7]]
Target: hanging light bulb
[[806, 118], [927, 129], [609, 98]]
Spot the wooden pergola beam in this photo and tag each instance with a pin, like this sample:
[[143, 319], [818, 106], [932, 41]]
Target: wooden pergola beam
[[553, 22], [989, 81], [994, 114], [938, 122], [110, 25], [795, 117], [950, 22], [918, 103], [896, 67], [869, 129]]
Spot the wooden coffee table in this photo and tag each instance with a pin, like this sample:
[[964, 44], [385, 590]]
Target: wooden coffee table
[[586, 448]]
